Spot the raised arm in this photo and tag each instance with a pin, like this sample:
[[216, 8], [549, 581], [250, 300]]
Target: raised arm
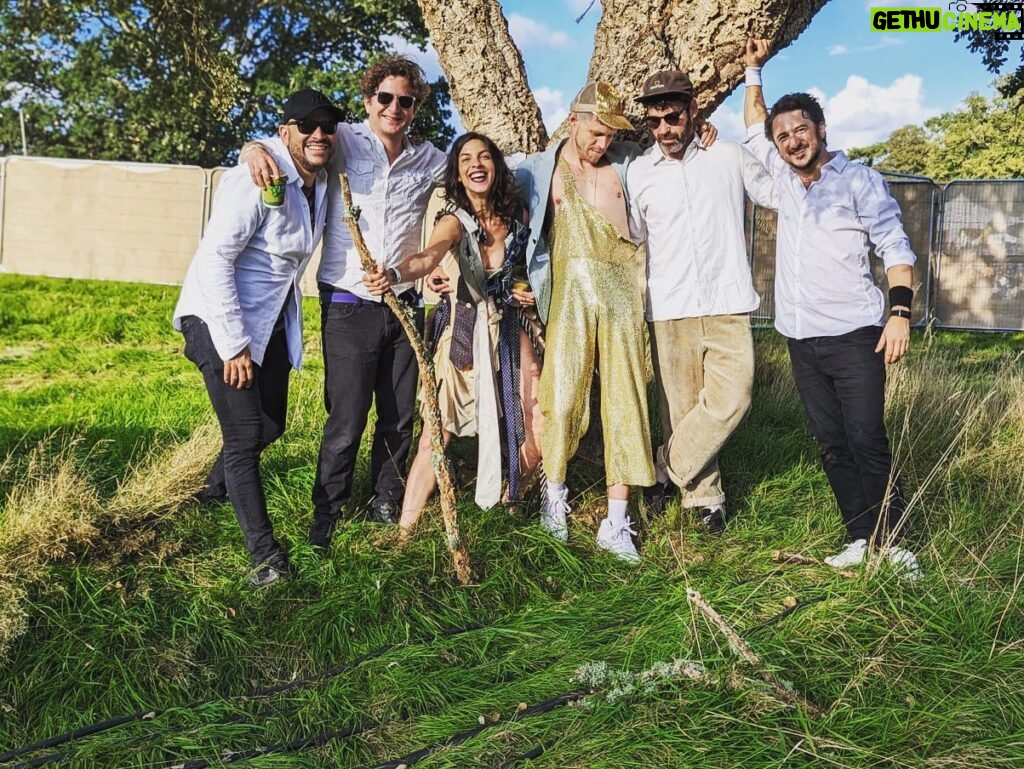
[[754, 109], [445, 235]]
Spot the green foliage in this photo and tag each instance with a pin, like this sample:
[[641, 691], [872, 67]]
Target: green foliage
[[994, 54], [156, 617], [158, 81], [982, 139]]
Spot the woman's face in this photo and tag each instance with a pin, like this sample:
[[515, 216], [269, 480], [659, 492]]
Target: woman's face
[[476, 168]]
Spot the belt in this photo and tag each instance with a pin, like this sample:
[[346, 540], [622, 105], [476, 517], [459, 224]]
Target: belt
[[331, 295]]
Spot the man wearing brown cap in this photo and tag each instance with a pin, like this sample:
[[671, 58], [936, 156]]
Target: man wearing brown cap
[[583, 270], [699, 290]]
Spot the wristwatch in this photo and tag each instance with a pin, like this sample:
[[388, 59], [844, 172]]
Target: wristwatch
[[394, 275]]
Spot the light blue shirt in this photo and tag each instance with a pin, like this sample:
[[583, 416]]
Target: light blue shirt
[[250, 258]]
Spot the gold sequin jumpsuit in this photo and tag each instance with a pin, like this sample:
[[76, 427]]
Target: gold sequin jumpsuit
[[595, 308]]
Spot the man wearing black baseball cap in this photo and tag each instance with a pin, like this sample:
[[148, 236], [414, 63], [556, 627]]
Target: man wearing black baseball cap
[[699, 290], [241, 315]]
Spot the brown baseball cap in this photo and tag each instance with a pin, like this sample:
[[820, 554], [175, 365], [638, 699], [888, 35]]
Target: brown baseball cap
[[668, 82], [604, 102]]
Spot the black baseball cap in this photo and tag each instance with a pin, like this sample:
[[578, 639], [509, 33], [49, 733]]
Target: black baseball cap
[[662, 85], [300, 104]]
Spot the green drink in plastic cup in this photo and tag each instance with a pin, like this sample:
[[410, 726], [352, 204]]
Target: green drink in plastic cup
[[273, 193]]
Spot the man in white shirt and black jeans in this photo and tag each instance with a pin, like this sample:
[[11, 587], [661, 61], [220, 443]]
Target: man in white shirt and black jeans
[[241, 314], [699, 290], [367, 356], [827, 305]]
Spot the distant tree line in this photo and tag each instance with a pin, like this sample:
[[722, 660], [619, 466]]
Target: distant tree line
[[982, 139]]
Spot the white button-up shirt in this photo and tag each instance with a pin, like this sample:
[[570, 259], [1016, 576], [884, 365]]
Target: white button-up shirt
[[249, 259], [392, 198], [823, 280], [693, 212]]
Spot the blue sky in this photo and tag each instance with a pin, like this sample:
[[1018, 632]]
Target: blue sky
[[870, 83]]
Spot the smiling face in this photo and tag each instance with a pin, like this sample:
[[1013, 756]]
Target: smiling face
[[311, 152], [476, 168], [390, 121], [799, 141]]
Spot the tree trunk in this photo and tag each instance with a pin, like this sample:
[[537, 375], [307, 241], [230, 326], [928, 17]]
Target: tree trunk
[[635, 38], [485, 72]]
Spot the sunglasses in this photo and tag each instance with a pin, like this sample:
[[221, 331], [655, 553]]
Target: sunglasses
[[672, 119], [384, 99], [308, 126]]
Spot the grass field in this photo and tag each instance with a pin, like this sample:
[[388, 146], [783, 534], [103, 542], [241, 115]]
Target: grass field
[[124, 610]]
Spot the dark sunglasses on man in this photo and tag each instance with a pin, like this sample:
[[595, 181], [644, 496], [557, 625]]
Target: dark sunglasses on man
[[672, 119], [308, 126], [384, 99]]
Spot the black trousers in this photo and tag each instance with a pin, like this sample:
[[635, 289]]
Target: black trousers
[[250, 420], [367, 358], [841, 381]]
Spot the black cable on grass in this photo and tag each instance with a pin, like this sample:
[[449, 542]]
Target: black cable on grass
[[529, 755], [784, 613], [148, 715], [461, 737]]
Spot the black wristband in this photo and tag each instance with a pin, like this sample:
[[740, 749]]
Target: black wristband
[[901, 296], [900, 314]]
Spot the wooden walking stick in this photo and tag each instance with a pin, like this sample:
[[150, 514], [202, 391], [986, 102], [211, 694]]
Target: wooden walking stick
[[460, 559]]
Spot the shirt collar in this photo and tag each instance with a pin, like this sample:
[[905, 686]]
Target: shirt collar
[[660, 156], [363, 129]]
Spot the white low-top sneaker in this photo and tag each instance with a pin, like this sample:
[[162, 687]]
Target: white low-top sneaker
[[851, 555], [905, 562], [553, 511], [618, 540]]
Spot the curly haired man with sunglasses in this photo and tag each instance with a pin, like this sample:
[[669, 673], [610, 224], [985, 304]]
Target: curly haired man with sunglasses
[[367, 357], [699, 291]]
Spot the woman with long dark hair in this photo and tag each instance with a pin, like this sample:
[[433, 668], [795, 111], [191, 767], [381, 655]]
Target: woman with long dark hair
[[486, 350]]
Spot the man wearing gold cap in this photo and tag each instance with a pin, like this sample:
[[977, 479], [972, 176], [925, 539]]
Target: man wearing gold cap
[[583, 269]]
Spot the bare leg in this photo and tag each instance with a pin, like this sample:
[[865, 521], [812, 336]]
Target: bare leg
[[421, 482], [529, 382], [618, 491]]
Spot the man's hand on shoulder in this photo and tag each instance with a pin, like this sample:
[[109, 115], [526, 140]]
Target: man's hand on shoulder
[[262, 166], [706, 134]]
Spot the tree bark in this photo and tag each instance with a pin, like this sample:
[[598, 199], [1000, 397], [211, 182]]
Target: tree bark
[[485, 72], [635, 38]]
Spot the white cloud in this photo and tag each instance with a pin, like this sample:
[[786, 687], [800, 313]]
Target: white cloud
[[860, 113], [838, 50], [729, 123], [529, 32], [426, 59], [554, 106], [863, 113]]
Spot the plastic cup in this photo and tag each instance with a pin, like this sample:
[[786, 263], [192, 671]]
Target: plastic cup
[[273, 193]]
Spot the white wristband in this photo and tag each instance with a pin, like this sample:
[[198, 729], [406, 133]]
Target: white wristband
[[752, 76]]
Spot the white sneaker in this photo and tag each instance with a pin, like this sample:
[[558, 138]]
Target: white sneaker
[[905, 562], [851, 555], [553, 510], [618, 540]]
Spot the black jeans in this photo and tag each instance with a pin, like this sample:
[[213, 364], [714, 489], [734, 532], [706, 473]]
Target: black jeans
[[841, 381], [250, 420], [366, 356]]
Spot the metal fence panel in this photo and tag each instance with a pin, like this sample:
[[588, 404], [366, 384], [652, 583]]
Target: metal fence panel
[[980, 268]]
